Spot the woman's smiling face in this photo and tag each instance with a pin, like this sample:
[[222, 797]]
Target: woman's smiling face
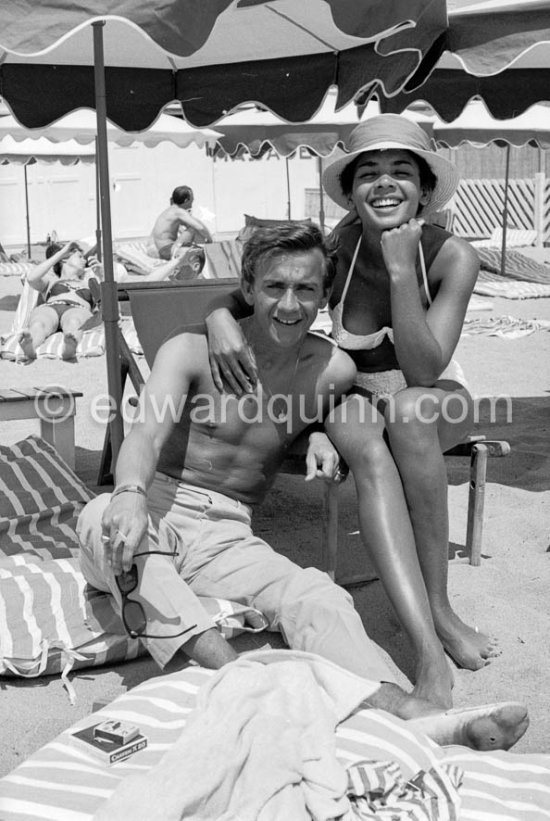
[[386, 189]]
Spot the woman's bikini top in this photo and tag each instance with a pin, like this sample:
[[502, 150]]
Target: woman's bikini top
[[64, 287], [356, 342]]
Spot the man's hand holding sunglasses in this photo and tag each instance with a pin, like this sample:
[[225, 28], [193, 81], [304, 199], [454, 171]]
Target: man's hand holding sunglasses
[[124, 525]]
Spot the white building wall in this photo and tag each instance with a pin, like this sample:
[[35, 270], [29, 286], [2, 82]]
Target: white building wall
[[62, 198]]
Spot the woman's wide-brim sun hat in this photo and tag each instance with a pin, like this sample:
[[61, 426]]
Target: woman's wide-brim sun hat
[[393, 131]]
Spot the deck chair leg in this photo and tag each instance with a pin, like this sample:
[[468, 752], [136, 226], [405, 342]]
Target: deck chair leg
[[330, 529], [476, 502], [128, 368]]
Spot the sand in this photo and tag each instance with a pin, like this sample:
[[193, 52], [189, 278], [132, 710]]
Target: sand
[[508, 595]]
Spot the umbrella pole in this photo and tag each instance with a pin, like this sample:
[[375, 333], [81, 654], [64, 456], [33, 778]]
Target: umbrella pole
[[505, 213], [27, 211], [288, 211], [97, 207], [321, 201], [109, 298]]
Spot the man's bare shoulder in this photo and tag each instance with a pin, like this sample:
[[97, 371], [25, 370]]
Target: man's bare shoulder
[[184, 352], [334, 364]]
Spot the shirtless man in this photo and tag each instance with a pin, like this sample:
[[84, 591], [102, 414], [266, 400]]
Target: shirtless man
[[176, 227], [195, 462]]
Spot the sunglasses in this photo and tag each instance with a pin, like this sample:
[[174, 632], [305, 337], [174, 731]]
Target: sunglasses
[[133, 614]]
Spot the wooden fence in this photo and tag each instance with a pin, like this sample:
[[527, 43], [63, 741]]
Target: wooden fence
[[478, 204]]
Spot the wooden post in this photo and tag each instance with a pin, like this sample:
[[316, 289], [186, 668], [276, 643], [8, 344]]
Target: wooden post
[[321, 202], [288, 206], [505, 213], [540, 186], [27, 211]]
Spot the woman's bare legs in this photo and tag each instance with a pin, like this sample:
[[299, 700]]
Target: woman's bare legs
[[43, 323], [71, 323], [357, 431], [420, 427]]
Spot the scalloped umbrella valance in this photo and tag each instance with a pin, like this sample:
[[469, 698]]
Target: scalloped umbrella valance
[[210, 55], [496, 50]]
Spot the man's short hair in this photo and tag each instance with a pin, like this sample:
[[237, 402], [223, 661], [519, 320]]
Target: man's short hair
[[266, 243], [182, 195]]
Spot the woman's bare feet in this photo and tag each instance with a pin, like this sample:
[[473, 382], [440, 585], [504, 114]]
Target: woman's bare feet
[[489, 727], [466, 645], [27, 345], [434, 681], [70, 343]]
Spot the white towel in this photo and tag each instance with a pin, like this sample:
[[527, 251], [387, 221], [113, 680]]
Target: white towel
[[260, 746]]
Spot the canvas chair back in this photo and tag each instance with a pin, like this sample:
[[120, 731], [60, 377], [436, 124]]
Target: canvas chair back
[[162, 310]]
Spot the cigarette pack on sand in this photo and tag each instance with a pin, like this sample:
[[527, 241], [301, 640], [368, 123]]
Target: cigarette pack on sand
[[111, 740]]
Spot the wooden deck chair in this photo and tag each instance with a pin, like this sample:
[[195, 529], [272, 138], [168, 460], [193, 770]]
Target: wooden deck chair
[[443, 219], [222, 259], [163, 309]]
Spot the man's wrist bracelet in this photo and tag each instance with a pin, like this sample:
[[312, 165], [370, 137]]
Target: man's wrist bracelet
[[129, 489]]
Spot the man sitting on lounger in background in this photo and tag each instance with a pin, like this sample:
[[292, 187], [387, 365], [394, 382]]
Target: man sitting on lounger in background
[[176, 227], [195, 463]]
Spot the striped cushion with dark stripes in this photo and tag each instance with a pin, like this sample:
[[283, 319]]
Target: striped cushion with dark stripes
[[47, 611], [63, 781], [40, 500]]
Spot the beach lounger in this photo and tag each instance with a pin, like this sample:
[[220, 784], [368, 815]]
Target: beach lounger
[[394, 771], [515, 238]]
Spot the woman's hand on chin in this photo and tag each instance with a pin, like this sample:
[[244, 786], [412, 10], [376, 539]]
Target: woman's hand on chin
[[400, 246]]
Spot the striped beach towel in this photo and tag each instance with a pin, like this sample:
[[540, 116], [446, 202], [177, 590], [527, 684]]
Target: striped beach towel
[[64, 781]]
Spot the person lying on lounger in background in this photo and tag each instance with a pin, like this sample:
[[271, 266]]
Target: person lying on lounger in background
[[63, 281], [68, 279], [196, 462]]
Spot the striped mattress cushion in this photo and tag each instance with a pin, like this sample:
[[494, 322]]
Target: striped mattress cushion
[[495, 285], [14, 269], [64, 781], [518, 266], [51, 621]]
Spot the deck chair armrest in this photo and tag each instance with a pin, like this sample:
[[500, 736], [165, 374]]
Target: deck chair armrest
[[495, 447]]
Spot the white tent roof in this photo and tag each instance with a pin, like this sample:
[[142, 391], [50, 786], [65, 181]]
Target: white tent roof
[[80, 126], [42, 150]]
